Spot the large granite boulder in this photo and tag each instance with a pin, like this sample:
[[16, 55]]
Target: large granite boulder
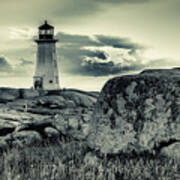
[[138, 113]]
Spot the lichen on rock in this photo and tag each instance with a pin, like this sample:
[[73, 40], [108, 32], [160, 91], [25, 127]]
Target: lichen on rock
[[137, 113]]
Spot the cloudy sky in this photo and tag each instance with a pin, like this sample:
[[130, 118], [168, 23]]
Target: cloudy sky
[[98, 39]]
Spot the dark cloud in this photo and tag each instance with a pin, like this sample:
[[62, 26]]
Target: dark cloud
[[107, 68], [4, 65], [117, 42], [76, 40], [71, 58], [85, 55], [97, 40]]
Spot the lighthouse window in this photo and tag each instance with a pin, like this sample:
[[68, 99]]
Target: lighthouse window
[[50, 81], [42, 31], [48, 31]]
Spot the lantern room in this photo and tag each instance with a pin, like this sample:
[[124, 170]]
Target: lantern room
[[46, 31]]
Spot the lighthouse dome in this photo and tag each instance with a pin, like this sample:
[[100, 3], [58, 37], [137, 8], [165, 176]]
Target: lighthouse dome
[[45, 26]]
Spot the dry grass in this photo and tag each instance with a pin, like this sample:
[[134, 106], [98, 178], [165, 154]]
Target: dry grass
[[70, 161]]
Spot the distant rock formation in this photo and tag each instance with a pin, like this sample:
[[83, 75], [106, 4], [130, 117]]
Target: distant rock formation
[[138, 114]]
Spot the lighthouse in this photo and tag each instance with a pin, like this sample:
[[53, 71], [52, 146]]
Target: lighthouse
[[46, 73]]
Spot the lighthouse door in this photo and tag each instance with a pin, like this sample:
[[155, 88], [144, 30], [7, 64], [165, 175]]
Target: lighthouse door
[[38, 84]]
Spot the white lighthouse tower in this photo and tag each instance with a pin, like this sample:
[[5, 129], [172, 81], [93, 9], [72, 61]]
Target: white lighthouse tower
[[46, 72]]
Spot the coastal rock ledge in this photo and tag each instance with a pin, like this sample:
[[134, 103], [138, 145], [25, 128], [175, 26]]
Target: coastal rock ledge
[[138, 113], [31, 117]]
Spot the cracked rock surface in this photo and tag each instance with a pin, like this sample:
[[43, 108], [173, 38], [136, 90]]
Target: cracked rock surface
[[28, 117], [138, 113]]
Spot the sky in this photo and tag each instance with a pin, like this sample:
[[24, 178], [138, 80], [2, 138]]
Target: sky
[[98, 39]]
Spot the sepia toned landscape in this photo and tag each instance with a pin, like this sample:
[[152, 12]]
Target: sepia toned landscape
[[89, 90], [129, 130]]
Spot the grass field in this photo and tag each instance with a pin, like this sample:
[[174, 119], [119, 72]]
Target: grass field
[[73, 160]]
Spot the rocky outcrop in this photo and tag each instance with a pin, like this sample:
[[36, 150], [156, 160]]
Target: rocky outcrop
[[32, 116], [134, 114], [138, 113]]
